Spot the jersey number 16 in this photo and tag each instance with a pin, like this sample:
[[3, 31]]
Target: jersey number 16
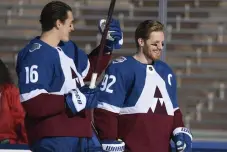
[[31, 74]]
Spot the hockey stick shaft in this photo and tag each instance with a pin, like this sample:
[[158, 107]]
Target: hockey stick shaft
[[102, 44], [101, 49], [99, 57]]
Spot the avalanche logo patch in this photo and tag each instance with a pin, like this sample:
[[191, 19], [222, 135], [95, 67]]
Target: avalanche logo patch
[[119, 60], [34, 47]]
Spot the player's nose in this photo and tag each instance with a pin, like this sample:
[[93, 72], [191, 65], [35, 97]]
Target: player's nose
[[72, 27], [160, 46]]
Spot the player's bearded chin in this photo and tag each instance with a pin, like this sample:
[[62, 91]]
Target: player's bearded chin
[[150, 54], [156, 54]]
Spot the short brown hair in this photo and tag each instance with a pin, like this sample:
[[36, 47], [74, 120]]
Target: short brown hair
[[52, 12], [146, 27]]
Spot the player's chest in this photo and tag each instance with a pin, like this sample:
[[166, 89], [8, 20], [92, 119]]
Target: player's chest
[[150, 84], [69, 70]]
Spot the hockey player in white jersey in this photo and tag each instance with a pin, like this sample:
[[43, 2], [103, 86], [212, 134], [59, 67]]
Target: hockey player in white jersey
[[138, 99], [51, 71]]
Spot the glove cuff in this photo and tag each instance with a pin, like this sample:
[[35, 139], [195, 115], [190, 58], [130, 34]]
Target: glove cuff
[[116, 146], [109, 46], [182, 130], [75, 100]]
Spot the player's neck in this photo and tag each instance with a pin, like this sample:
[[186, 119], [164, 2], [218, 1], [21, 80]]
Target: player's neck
[[139, 56], [50, 38]]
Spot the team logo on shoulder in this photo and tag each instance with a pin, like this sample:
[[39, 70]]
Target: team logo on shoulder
[[119, 60], [34, 47]]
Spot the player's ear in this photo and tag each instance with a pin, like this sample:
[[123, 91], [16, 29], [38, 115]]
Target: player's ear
[[140, 42], [58, 24]]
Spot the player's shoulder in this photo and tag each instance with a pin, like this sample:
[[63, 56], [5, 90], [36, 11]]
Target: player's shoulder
[[37, 52], [79, 52], [69, 46], [120, 64], [38, 49], [122, 61], [119, 60], [162, 65]]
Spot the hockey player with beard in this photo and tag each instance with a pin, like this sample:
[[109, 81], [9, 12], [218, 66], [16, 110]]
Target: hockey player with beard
[[138, 99]]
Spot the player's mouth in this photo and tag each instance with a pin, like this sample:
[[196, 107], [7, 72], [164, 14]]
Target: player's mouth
[[157, 52]]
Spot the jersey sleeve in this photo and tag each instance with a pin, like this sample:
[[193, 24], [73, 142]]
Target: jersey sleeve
[[35, 72], [171, 85], [93, 58], [86, 64], [113, 90], [178, 118], [172, 79]]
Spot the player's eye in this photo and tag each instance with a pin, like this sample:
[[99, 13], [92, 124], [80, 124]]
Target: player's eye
[[71, 25], [155, 44], [74, 22], [158, 44]]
